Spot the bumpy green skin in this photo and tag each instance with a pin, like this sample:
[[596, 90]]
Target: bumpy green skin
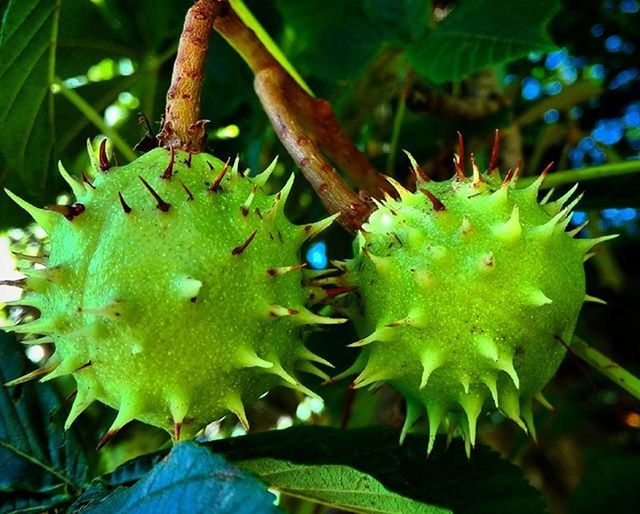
[[467, 305], [153, 312]]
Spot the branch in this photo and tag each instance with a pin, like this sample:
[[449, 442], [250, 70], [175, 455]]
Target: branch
[[336, 196], [612, 370], [605, 171], [182, 127], [306, 126]]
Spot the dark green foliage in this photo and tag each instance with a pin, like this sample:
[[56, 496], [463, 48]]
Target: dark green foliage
[[376, 61], [40, 463], [189, 479], [480, 34]]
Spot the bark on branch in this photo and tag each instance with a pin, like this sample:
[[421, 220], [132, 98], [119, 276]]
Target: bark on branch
[[182, 127], [307, 127]]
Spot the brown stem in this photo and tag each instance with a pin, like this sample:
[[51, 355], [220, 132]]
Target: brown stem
[[306, 126], [320, 120], [182, 127], [336, 196]]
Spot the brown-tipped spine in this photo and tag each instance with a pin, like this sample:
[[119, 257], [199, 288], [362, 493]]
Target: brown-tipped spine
[[460, 165], [477, 176], [125, 206], [336, 291], [172, 159], [516, 171], [68, 211], [104, 160], [86, 180], [186, 190], [160, 203], [507, 178], [493, 163], [437, 204], [106, 438], [216, 185], [239, 249], [21, 282], [276, 272], [547, 169]]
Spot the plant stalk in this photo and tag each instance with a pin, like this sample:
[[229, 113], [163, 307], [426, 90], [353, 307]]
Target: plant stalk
[[612, 370], [604, 171], [182, 127], [307, 127]]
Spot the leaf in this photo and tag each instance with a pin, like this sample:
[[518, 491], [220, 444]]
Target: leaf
[[190, 479], [404, 20], [39, 39], [341, 487], [337, 45], [482, 33], [27, 44], [610, 485], [41, 463], [483, 484]]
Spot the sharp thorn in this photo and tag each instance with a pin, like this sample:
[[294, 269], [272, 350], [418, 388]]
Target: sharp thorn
[[172, 159], [186, 189], [106, 438], [86, 180], [460, 164], [177, 426], [239, 249], [548, 196], [336, 291], [477, 177], [125, 206], [216, 184], [20, 282], [244, 208], [437, 204], [104, 160], [507, 178], [68, 211], [160, 203], [417, 170], [493, 163], [44, 370], [278, 311], [594, 299], [276, 272]]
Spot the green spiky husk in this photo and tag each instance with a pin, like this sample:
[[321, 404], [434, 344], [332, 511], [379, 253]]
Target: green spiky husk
[[156, 307], [468, 291]]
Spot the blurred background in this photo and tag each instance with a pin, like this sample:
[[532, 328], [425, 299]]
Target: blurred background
[[561, 80]]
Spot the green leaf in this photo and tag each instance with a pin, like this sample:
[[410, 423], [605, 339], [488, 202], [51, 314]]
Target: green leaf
[[337, 45], [190, 476], [341, 487], [404, 20], [483, 484], [41, 463], [39, 39], [28, 39], [482, 33]]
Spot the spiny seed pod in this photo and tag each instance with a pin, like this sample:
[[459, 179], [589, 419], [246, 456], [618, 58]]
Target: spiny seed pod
[[173, 292], [468, 292]]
